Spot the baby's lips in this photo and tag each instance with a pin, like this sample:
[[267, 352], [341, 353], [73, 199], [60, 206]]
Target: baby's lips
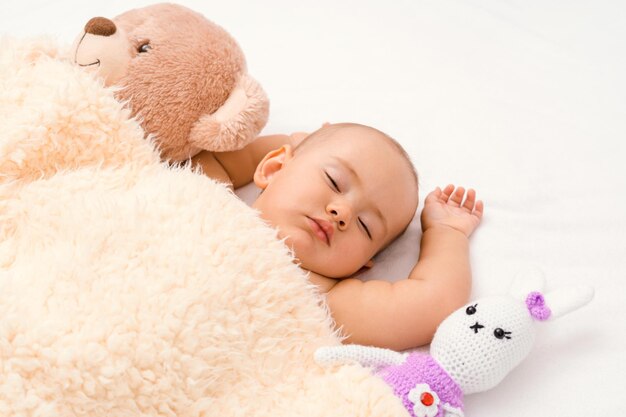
[[327, 227]]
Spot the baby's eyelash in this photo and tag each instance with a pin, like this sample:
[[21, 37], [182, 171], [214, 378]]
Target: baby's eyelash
[[333, 181], [366, 229]]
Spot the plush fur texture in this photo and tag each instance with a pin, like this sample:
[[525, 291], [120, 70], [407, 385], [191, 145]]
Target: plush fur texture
[[129, 288]]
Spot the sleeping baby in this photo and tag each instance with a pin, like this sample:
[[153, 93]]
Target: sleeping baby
[[339, 196]]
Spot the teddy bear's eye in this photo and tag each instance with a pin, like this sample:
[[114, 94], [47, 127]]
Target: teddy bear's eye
[[501, 334], [471, 310], [144, 47]]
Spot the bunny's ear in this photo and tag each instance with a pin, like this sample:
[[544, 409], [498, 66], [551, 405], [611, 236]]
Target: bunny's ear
[[527, 281], [562, 301], [237, 122]]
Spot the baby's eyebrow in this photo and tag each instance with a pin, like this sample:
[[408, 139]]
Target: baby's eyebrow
[[347, 165], [353, 173]]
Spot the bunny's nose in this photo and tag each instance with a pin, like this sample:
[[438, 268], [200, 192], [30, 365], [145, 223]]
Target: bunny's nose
[[100, 26], [476, 327]]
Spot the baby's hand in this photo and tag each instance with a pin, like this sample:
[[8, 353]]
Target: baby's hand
[[446, 208]]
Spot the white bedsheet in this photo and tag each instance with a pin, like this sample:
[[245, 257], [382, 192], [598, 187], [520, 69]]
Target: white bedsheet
[[526, 102]]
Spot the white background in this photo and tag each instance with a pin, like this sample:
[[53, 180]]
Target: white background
[[524, 101]]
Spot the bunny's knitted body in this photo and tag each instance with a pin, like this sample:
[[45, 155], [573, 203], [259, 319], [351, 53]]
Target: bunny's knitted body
[[424, 386]]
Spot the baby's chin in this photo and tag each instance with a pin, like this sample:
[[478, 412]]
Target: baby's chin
[[300, 243]]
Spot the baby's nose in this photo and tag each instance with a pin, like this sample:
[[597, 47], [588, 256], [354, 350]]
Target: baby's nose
[[341, 214], [100, 26]]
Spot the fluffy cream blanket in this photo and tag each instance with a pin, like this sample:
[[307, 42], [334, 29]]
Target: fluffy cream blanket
[[128, 288]]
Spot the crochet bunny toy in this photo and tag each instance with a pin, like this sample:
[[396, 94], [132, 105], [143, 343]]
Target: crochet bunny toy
[[182, 75], [472, 350]]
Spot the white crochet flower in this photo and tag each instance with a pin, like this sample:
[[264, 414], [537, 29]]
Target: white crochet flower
[[426, 401]]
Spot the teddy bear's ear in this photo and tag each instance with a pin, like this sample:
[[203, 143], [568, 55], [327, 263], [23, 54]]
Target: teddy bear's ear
[[237, 122]]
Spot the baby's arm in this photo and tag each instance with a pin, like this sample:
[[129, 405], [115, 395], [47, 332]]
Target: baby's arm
[[406, 313], [237, 167]]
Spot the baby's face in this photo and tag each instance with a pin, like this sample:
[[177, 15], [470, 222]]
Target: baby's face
[[339, 200]]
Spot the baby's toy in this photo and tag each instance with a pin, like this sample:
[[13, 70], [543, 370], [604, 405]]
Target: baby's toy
[[183, 76], [472, 351]]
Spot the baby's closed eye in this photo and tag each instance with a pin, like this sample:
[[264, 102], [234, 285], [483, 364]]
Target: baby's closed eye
[[332, 181], [367, 230]]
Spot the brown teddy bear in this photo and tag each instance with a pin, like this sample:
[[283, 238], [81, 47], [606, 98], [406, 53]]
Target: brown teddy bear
[[183, 76]]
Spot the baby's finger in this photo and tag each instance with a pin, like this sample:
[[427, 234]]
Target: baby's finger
[[478, 209], [470, 200], [447, 191], [457, 197]]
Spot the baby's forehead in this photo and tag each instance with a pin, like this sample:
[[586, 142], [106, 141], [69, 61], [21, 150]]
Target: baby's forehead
[[351, 139], [373, 158], [362, 145]]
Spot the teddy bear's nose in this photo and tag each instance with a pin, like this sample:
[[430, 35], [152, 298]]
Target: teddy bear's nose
[[100, 26]]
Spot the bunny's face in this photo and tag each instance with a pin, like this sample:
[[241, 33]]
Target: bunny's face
[[481, 342]]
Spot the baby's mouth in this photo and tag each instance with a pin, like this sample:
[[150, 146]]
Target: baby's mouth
[[322, 229]]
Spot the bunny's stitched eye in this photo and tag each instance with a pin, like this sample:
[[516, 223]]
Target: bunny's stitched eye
[[471, 310], [501, 334]]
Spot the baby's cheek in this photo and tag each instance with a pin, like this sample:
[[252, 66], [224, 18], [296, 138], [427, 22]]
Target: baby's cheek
[[343, 263]]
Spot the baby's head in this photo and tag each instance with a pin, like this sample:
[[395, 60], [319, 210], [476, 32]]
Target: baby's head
[[339, 197]]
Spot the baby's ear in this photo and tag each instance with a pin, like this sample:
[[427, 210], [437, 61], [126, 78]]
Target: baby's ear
[[273, 162]]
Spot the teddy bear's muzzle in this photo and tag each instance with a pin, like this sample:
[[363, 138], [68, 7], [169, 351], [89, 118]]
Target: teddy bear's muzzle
[[104, 49]]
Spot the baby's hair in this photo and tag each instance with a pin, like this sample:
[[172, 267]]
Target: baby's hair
[[327, 131]]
